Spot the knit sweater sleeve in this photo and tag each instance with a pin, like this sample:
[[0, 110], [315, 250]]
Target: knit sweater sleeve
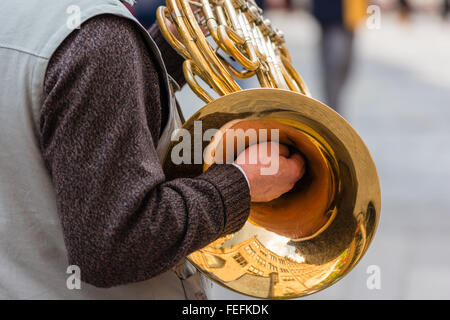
[[100, 122]]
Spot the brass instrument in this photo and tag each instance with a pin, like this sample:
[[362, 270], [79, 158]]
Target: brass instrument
[[315, 234]]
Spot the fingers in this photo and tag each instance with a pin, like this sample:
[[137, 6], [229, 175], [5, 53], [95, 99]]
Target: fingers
[[265, 153], [287, 170], [297, 164], [283, 151]]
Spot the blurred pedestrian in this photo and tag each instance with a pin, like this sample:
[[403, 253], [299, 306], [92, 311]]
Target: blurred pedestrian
[[145, 11], [405, 10], [338, 20], [446, 9]]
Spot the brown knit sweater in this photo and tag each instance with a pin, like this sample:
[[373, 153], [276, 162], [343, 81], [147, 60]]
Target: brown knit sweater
[[100, 123]]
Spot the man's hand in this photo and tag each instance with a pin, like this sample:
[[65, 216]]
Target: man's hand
[[256, 158]]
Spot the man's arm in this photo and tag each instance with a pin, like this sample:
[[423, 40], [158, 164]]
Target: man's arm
[[101, 119]]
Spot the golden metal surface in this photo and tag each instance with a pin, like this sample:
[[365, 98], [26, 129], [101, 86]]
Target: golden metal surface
[[241, 32], [264, 264], [315, 234]]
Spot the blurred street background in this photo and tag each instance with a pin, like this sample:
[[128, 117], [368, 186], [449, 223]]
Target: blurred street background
[[397, 97]]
